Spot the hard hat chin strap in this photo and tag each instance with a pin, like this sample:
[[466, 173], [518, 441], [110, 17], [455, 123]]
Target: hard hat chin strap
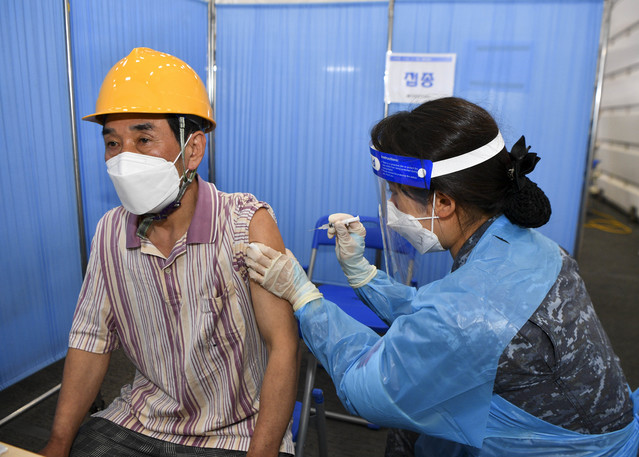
[[187, 178], [188, 175]]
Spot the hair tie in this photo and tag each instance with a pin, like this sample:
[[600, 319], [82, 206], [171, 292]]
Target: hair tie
[[523, 162]]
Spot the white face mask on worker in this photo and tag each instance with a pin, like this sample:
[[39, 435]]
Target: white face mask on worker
[[145, 184], [411, 229]]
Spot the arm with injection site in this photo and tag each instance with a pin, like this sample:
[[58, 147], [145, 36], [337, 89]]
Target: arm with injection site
[[278, 328]]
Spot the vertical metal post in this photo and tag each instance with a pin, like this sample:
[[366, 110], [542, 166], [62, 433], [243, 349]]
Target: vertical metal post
[[594, 121], [305, 414], [389, 48], [74, 138], [389, 42], [212, 81]]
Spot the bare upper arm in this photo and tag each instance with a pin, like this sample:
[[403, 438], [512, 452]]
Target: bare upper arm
[[274, 316]]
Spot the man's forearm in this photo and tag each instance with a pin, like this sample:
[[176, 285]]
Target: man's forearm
[[81, 381], [277, 399]]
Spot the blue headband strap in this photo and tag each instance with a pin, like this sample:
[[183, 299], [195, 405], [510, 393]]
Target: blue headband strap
[[418, 172], [401, 169]]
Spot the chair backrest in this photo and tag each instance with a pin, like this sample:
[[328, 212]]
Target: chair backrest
[[373, 239]]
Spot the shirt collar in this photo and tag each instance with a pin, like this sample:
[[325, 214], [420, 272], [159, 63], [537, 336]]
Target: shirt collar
[[203, 225], [470, 243]]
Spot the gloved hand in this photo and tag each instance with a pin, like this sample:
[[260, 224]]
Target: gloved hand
[[280, 274], [349, 248]]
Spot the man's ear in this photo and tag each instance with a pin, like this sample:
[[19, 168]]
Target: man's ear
[[194, 152], [444, 205]]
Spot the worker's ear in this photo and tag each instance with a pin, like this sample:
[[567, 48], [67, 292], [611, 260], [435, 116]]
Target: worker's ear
[[194, 151], [444, 205]]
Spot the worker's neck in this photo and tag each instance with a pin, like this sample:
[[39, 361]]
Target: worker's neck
[[165, 233]]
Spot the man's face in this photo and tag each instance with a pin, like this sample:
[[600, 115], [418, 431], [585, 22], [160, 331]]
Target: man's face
[[146, 134]]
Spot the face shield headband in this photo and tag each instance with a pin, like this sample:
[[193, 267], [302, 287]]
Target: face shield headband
[[415, 172]]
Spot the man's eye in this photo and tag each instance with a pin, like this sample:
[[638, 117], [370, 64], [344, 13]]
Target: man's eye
[[145, 140], [111, 144]]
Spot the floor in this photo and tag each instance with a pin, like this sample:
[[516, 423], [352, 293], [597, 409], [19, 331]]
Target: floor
[[609, 264]]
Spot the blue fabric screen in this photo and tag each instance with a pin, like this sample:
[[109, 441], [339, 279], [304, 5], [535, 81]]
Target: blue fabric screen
[[40, 272], [41, 269], [299, 87]]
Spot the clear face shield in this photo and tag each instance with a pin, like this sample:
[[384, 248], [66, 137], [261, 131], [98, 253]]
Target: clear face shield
[[399, 254], [392, 171]]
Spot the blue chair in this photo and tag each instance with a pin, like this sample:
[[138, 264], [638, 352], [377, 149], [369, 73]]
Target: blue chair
[[344, 297]]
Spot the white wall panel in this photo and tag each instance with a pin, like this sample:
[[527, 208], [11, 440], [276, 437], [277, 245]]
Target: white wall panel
[[624, 195], [622, 90], [623, 52], [619, 161], [625, 13], [620, 129]]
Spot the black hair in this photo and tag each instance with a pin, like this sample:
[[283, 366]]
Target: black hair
[[191, 124], [447, 127]]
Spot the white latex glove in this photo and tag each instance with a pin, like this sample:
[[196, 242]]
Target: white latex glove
[[349, 248], [280, 274]]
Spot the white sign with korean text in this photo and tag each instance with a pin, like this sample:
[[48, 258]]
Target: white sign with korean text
[[416, 78]]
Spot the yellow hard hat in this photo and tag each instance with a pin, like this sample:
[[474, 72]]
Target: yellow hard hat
[[152, 82]]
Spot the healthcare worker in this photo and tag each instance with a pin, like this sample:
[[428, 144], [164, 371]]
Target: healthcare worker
[[503, 356]]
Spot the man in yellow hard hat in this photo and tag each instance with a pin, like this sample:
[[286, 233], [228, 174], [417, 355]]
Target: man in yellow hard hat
[[167, 282]]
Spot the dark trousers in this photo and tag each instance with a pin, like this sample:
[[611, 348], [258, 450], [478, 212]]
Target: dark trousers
[[101, 438]]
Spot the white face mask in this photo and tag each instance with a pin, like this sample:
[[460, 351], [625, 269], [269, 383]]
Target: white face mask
[[408, 226], [145, 184]]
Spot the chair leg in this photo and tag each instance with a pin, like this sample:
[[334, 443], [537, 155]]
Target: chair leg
[[311, 367], [320, 421]]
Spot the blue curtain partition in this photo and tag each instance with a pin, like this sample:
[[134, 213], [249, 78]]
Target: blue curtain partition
[[299, 86], [40, 272], [41, 269]]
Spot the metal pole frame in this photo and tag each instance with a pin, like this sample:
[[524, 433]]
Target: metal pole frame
[[212, 81], [74, 139], [389, 41], [389, 48], [594, 122]]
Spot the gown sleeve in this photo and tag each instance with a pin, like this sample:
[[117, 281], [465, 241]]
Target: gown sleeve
[[413, 377], [388, 298]]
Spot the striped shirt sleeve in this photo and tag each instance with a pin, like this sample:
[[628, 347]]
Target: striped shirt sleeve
[[93, 329]]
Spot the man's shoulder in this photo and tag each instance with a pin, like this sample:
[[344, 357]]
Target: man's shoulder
[[113, 220], [116, 214], [236, 200]]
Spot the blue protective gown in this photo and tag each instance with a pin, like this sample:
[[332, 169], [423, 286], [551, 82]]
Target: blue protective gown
[[433, 371]]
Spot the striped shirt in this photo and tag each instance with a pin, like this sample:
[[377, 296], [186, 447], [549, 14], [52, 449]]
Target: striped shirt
[[186, 322]]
